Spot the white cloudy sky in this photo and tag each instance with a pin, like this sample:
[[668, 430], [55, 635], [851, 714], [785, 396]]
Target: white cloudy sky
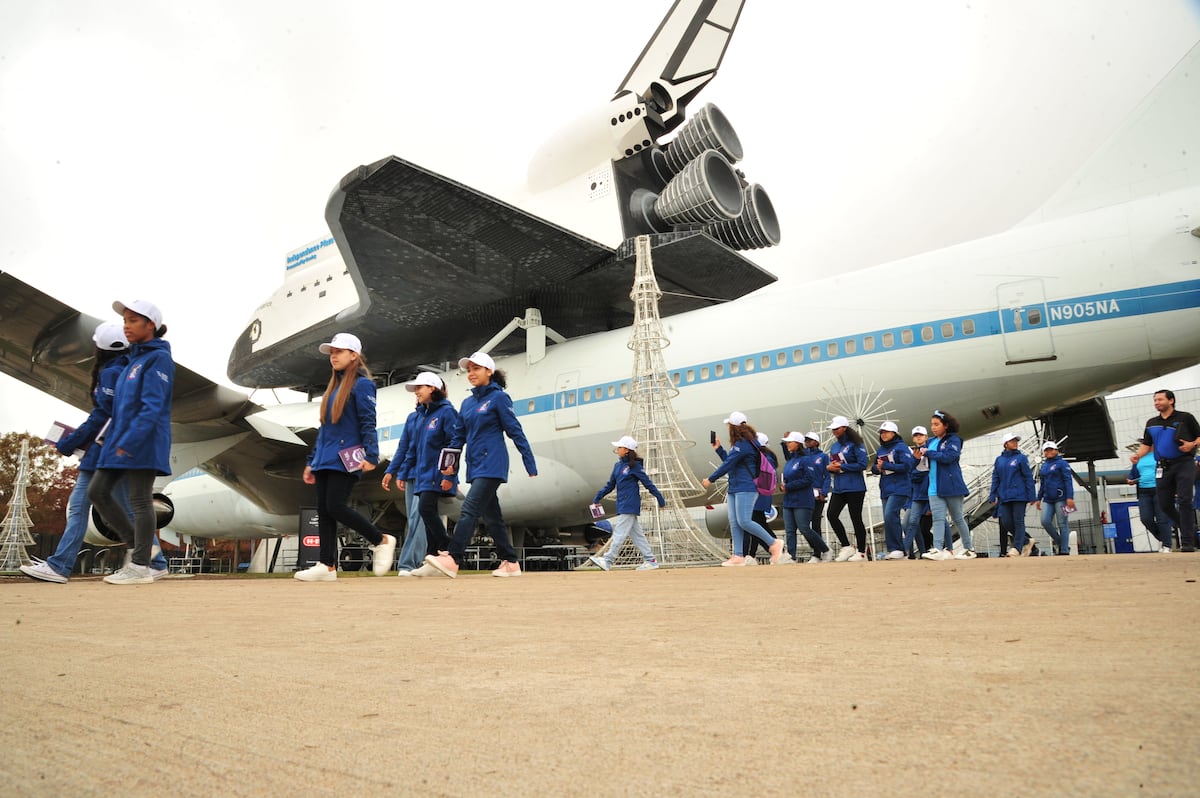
[[177, 151]]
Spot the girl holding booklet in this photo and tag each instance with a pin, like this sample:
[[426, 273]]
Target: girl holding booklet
[[893, 461], [487, 416], [346, 444], [847, 461], [437, 424], [626, 475]]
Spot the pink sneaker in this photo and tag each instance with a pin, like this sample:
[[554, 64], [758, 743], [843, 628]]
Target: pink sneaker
[[444, 563], [734, 562], [507, 569]]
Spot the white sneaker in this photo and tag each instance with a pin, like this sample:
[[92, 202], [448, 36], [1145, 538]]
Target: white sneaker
[[845, 553], [158, 573], [895, 554], [425, 569], [383, 555], [404, 572], [750, 560], [965, 554], [936, 554], [857, 556], [1162, 550], [317, 573], [816, 558], [600, 562], [131, 575], [1012, 552], [42, 571], [648, 565], [827, 556]]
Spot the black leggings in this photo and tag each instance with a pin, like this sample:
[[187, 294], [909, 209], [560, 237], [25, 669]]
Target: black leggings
[[853, 500], [333, 492], [138, 535]]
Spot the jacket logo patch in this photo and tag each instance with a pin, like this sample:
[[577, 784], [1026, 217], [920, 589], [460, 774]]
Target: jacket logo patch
[[433, 422], [134, 370], [483, 408]]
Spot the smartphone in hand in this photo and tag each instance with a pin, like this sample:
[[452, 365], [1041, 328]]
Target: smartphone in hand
[[712, 436]]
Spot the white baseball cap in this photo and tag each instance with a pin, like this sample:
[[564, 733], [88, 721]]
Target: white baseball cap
[[479, 359], [425, 378], [342, 341], [141, 307], [110, 337], [626, 442], [736, 418], [813, 436], [838, 421], [763, 439], [919, 430], [1009, 436], [795, 437], [1049, 445], [889, 426]]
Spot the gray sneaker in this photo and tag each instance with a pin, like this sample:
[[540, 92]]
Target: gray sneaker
[[648, 565], [131, 574], [600, 562]]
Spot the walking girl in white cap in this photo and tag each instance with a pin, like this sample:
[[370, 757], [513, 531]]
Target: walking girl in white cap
[[625, 477], [347, 444]]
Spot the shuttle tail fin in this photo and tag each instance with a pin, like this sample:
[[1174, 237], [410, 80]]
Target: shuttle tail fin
[[1156, 150]]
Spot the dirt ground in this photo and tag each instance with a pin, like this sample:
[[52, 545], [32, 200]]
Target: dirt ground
[[1051, 676]]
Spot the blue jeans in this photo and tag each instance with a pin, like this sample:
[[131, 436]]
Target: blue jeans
[[1055, 514], [1012, 516], [1154, 517], [893, 531], [912, 527], [78, 510], [800, 518], [412, 554], [625, 526], [951, 507], [481, 503], [741, 510]]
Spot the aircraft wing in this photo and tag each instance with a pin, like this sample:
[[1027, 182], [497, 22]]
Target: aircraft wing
[[48, 345], [440, 268]]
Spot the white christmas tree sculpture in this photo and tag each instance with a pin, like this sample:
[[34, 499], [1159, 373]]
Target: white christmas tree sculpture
[[16, 536]]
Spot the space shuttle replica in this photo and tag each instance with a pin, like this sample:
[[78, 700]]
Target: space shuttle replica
[[431, 268]]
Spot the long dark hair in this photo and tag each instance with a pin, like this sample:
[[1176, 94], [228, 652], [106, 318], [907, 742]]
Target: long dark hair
[[742, 432], [632, 457], [344, 386], [500, 378], [948, 421], [852, 435], [103, 358]]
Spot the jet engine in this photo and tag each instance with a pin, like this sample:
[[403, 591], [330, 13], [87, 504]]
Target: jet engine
[[101, 534]]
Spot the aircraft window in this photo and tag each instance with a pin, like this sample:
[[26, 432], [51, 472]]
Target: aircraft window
[[906, 337], [612, 390], [329, 279], [321, 295], [303, 288], [851, 346], [869, 343], [531, 405], [749, 364], [704, 372], [781, 358], [691, 375], [675, 378], [289, 293], [888, 340], [927, 333], [1034, 316], [624, 389], [814, 352], [797, 355], [947, 329], [968, 326], [719, 370], [569, 396], [831, 349], [766, 361], [734, 367], [587, 395]]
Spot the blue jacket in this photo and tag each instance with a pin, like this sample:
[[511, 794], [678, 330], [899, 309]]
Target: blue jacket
[[397, 467], [741, 464], [625, 478], [799, 479], [854, 463], [1012, 478], [897, 462], [141, 423], [817, 461], [356, 427], [945, 474], [1056, 482], [918, 479], [86, 432], [487, 415], [1143, 472], [437, 424]]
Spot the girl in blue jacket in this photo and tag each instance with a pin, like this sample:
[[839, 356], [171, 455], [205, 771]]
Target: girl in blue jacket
[[1056, 496], [1012, 490], [893, 461], [800, 478], [625, 477], [847, 462], [741, 464], [137, 442], [487, 416], [946, 488], [437, 425], [347, 443], [918, 483], [111, 347]]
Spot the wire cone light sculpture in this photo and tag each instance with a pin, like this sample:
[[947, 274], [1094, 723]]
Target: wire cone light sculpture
[[675, 537], [16, 536]]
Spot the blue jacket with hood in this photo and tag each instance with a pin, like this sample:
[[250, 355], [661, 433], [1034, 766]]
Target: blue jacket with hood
[[85, 434], [141, 415], [437, 424], [1012, 478], [356, 427], [854, 462], [397, 467], [626, 475], [741, 464], [897, 462], [799, 479], [487, 416], [945, 474], [1057, 484]]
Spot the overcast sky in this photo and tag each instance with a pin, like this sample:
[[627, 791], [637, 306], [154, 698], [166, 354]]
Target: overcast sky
[[177, 152]]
